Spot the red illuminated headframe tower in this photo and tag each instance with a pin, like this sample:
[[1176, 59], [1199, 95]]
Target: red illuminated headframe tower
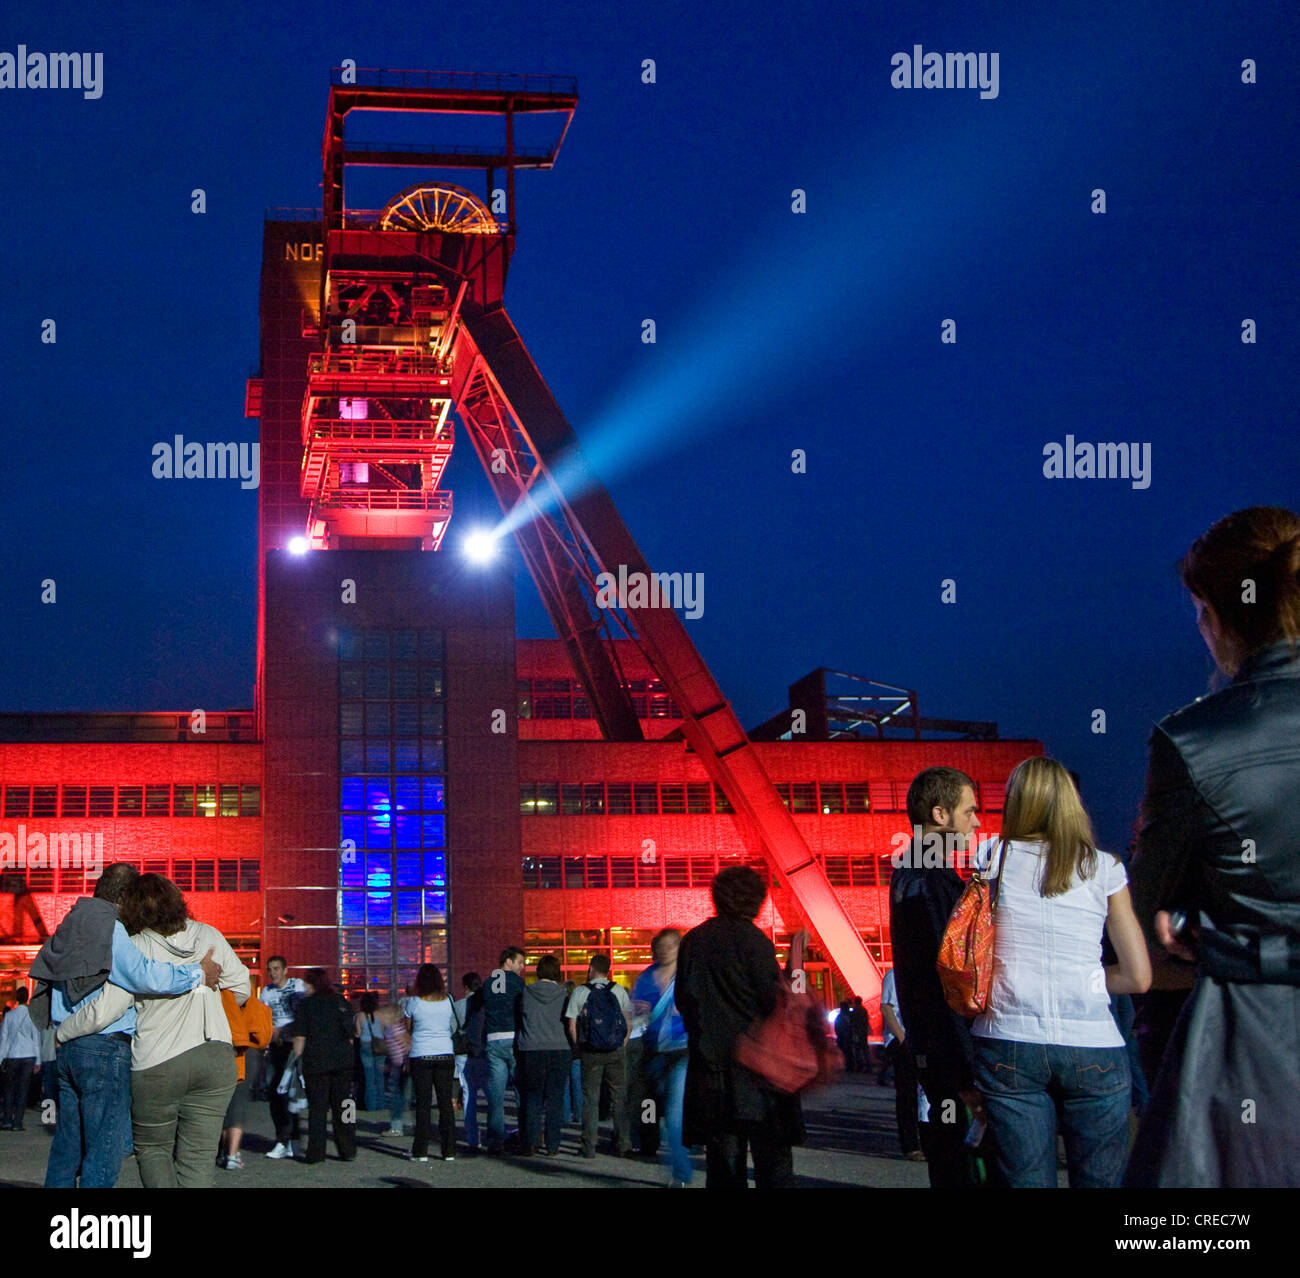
[[413, 329]]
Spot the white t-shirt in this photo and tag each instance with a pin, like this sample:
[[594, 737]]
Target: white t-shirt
[[432, 1022], [282, 1000], [889, 995], [1049, 985]]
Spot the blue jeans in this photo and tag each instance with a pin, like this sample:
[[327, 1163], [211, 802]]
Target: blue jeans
[[93, 1134], [573, 1093], [373, 1068], [476, 1081], [395, 1082], [667, 1072], [501, 1065], [1028, 1087]]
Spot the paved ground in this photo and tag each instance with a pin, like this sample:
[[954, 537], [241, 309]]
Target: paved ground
[[851, 1142]]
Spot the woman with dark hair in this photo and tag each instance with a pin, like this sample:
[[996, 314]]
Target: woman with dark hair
[[1216, 874], [322, 1033], [543, 1055], [431, 1018], [182, 1057], [370, 1035], [728, 978]]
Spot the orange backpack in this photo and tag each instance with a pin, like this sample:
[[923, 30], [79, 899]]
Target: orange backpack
[[250, 1025], [965, 961]]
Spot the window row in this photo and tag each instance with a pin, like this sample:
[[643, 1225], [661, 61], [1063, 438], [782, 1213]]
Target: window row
[[221, 875], [384, 755], [401, 794], [641, 871], [625, 798], [385, 946], [388, 908], [386, 830], [52, 801], [649, 798], [381, 870], [391, 645], [389, 683], [392, 718], [567, 699]]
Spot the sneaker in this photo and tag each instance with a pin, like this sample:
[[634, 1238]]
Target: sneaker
[[280, 1150], [449, 1158], [233, 1163], [221, 1160], [395, 1129], [417, 1158]]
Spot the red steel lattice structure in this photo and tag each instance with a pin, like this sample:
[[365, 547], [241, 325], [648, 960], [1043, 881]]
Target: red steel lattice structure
[[413, 324]]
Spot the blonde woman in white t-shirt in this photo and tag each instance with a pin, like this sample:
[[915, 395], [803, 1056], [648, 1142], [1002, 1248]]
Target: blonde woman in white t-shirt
[[1047, 1050]]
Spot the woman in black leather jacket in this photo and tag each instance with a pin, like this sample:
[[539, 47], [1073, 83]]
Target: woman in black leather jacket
[[1219, 843]]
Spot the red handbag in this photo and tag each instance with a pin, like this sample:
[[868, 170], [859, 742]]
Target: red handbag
[[966, 952], [789, 1049]]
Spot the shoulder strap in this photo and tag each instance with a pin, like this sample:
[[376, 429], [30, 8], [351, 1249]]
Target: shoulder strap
[[665, 1002], [995, 892]]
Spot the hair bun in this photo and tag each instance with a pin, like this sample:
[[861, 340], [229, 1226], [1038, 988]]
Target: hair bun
[[1284, 560]]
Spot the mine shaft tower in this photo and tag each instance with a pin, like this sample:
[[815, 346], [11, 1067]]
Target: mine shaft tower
[[413, 335]]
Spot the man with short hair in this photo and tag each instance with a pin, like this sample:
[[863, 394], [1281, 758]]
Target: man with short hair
[[474, 1066], [598, 1017], [89, 950], [281, 995], [20, 1052], [501, 996], [942, 809]]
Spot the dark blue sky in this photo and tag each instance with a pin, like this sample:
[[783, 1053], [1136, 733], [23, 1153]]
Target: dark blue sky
[[776, 331]]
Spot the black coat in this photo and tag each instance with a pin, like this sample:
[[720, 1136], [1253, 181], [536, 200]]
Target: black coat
[[325, 1020], [920, 902], [727, 978], [1218, 835]]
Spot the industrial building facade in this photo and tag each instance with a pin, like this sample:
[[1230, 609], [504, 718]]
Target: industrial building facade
[[414, 783]]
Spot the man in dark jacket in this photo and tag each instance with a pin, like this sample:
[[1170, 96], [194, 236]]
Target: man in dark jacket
[[501, 995], [727, 978], [922, 892]]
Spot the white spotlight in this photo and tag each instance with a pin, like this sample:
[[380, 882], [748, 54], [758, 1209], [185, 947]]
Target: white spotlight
[[480, 546], [299, 545]]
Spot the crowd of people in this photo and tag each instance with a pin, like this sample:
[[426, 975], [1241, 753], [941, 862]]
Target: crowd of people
[[142, 1025]]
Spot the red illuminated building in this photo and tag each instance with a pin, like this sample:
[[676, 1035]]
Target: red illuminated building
[[415, 783]]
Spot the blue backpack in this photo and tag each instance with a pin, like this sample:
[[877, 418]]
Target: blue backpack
[[601, 1026]]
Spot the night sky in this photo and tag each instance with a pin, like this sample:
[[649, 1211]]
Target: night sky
[[776, 331]]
